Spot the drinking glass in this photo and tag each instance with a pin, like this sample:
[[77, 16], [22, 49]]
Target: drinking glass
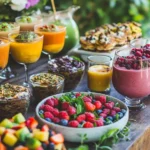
[[99, 73], [26, 52], [53, 40], [131, 75]]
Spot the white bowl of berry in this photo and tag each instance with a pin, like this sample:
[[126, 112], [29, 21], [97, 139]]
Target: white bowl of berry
[[75, 114]]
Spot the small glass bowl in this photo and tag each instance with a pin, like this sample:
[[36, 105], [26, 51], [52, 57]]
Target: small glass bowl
[[41, 91], [12, 105]]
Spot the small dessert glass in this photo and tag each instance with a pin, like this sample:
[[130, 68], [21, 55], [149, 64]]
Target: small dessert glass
[[99, 73], [46, 84], [54, 40], [131, 75], [25, 51]]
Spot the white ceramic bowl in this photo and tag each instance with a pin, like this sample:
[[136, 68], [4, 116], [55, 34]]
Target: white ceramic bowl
[[93, 134]]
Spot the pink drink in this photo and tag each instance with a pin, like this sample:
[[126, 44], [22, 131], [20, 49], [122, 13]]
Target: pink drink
[[130, 82]]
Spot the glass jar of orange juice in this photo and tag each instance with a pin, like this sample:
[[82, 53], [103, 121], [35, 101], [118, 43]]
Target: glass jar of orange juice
[[99, 73]]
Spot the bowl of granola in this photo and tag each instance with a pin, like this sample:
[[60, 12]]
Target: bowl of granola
[[46, 84], [13, 99]]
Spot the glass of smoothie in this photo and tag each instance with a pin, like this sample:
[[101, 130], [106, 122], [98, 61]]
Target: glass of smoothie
[[4, 53], [99, 73], [26, 48], [54, 37], [27, 23], [5, 29], [131, 73]]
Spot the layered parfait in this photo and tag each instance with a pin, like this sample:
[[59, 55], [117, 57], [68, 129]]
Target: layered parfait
[[27, 23], [131, 72]]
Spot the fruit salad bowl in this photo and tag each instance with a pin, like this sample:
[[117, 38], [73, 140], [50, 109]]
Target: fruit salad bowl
[[92, 114]]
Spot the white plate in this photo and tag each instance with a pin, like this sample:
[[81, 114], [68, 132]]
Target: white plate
[[93, 134]]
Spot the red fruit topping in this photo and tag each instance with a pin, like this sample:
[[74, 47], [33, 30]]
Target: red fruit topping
[[45, 128], [49, 102], [101, 98], [73, 123], [138, 53], [63, 115], [98, 104], [90, 116], [117, 109], [106, 111], [78, 94], [88, 125], [55, 112], [56, 101], [57, 138], [89, 106], [19, 126], [65, 105], [42, 107], [31, 123], [48, 108], [71, 110], [109, 105], [87, 99], [56, 120], [81, 118], [39, 148], [48, 115], [103, 115], [112, 113], [99, 122]]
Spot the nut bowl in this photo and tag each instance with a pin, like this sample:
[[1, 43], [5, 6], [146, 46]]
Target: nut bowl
[[72, 134]]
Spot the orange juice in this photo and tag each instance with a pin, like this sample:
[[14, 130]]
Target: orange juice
[[99, 77], [26, 52], [4, 53], [53, 40]]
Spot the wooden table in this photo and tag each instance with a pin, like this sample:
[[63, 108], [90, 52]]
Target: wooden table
[[140, 120]]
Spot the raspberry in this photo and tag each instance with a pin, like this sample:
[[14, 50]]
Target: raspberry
[[73, 123], [101, 98], [112, 113], [98, 104], [55, 100], [78, 94], [71, 110], [99, 122], [103, 115], [63, 115], [87, 99], [81, 118], [109, 105], [106, 111], [55, 112], [117, 109], [89, 106], [49, 102], [42, 107], [88, 125], [65, 105], [48, 115], [48, 108], [90, 116], [56, 120]]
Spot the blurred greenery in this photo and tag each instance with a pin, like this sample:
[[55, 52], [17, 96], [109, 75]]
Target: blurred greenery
[[94, 13]]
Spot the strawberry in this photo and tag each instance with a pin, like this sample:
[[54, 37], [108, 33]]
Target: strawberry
[[78, 94], [117, 109], [88, 125], [87, 99], [48, 115], [81, 118], [112, 113], [106, 111], [57, 138], [98, 104], [101, 98], [48, 108], [42, 107], [73, 123], [49, 102], [31, 123], [89, 106], [64, 105], [109, 105], [63, 115], [90, 116], [55, 100], [103, 115], [71, 110], [56, 120], [99, 122], [55, 112], [45, 128]]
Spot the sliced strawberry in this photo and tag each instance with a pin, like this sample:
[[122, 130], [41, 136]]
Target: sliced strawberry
[[89, 106], [31, 123], [45, 128], [57, 138]]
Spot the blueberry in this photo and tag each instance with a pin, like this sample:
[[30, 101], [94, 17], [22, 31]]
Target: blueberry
[[99, 111], [110, 118], [44, 146], [41, 112], [64, 122], [51, 133], [48, 119], [120, 114], [123, 111], [51, 146]]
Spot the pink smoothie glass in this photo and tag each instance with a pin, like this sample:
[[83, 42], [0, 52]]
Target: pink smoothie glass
[[131, 72]]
